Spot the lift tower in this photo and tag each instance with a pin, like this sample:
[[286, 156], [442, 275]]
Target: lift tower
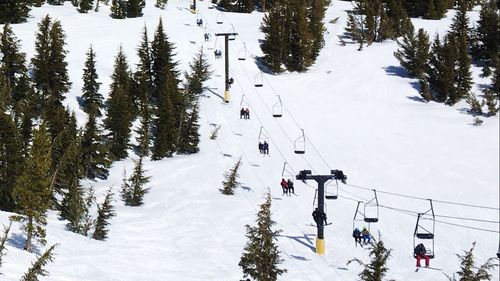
[[321, 180], [226, 58]]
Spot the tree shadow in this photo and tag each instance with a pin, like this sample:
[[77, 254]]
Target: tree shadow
[[262, 65], [396, 71], [418, 99], [80, 101], [18, 241], [305, 240], [215, 94], [247, 188]]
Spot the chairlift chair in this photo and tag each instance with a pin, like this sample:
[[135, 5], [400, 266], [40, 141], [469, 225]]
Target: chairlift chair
[[425, 231], [244, 102], [300, 144], [498, 252], [370, 216], [259, 80], [262, 135], [232, 37], [242, 53], [331, 190], [220, 18], [278, 108]]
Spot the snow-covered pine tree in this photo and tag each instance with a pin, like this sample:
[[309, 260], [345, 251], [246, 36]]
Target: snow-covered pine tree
[[161, 3], [475, 105], [134, 189], [316, 15], [164, 124], [85, 5], [425, 90], [469, 271], [301, 40], [231, 179], [377, 268], [442, 68], [261, 256], [119, 109], [118, 9], [105, 212], [11, 153], [3, 239], [199, 73], [32, 190], [37, 268], [414, 53]]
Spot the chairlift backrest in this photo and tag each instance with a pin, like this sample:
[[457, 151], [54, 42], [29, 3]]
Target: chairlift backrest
[[242, 53], [331, 190], [300, 144], [259, 80], [278, 108]]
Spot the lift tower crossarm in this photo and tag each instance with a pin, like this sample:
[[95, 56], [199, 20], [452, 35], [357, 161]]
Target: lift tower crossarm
[[226, 58]]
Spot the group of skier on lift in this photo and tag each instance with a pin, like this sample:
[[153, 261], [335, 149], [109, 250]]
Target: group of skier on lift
[[287, 186]]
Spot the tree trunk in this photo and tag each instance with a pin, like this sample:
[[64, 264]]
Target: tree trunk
[[29, 234]]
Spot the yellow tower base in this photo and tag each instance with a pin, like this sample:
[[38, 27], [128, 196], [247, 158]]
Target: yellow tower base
[[226, 96], [320, 246]]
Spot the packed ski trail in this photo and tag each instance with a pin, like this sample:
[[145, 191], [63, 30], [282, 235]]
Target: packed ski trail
[[358, 116]]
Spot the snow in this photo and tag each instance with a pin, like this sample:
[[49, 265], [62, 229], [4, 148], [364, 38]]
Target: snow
[[359, 114]]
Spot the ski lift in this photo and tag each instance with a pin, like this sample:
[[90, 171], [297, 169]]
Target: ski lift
[[278, 108], [300, 144], [242, 53], [425, 231], [286, 172], [244, 102], [232, 37], [262, 135], [331, 190], [369, 213], [258, 80], [220, 18]]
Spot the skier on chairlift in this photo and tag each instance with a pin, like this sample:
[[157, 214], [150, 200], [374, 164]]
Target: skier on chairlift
[[284, 186], [291, 189], [247, 113], [356, 234], [261, 148], [207, 36], [365, 234], [265, 147], [421, 253], [242, 115]]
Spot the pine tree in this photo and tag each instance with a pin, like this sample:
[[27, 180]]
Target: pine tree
[[119, 108], [144, 131], [118, 9], [377, 268], [355, 24], [495, 84], [199, 74], [161, 3], [400, 22], [75, 208], [300, 43], [142, 91], [58, 73], [413, 54], [189, 137], [164, 124], [41, 63], [14, 71], [468, 269], [425, 90], [231, 179], [92, 99], [37, 268], [275, 45], [463, 75], [86, 5], [11, 163], [94, 153], [491, 102], [3, 239], [134, 8], [33, 190], [442, 68], [14, 11], [104, 213], [486, 44], [261, 256], [460, 24], [316, 15], [133, 190]]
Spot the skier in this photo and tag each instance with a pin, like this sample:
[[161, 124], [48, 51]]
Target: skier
[[366, 235], [284, 186], [356, 234], [206, 37], [247, 113], [319, 217], [199, 22], [243, 114], [265, 147], [420, 252], [290, 187], [261, 148]]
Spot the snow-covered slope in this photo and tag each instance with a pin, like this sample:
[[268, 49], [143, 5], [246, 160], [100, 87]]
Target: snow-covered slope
[[359, 115]]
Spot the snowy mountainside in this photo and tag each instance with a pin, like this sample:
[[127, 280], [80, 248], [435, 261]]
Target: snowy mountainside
[[359, 115]]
